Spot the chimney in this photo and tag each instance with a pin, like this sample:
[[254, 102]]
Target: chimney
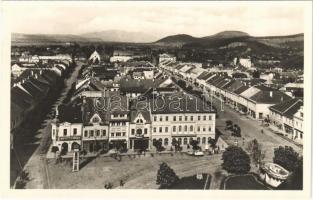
[[271, 94]]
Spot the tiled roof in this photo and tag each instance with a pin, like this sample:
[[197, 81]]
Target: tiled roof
[[16, 110], [32, 89], [202, 75], [265, 97], [178, 103], [94, 106], [135, 85], [70, 113], [233, 85], [288, 108], [241, 89], [21, 98]]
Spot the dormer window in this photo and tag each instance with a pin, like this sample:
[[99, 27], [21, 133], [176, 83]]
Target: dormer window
[[139, 121], [95, 119]]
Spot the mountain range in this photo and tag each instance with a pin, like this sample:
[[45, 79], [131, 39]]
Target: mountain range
[[101, 36], [225, 39], [229, 39]]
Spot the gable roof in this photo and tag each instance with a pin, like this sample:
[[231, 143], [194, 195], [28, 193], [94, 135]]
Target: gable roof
[[287, 108], [270, 97], [70, 113], [164, 104], [241, 89]]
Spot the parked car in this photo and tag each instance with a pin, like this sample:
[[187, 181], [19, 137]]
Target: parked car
[[191, 153], [199, 153], [112, 151]]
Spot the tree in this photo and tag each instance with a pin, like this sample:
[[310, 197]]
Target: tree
[[166, 177], [286, 157], [257, 154], [236, 131], [236, 160], [194, 144], [295, 180], [229, 125], [158, 145]]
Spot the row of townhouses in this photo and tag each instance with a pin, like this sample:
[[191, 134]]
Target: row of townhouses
[[249, 96], [115, 121]]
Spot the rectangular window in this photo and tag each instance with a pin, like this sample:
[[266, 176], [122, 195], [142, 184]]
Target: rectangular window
[[91, 133], [198, 128], [124, 134], [186, 118], [204, 117], [180, 118], [112, 134], [166, 129], [86, 134], [301, 114], [75, 131], [154, 129], [161, 119], [174, 118], [155, 118], [210, 129], [203, 129], [174, 128], [160, 129], [104, 132], [210, 117], [133, 131], [199, 118], [65, 132], [146, 131], [191, 118], [118, 134], [97, 133], [166, 118]]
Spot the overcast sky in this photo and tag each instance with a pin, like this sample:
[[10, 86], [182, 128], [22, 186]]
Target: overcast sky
[[159, 19]]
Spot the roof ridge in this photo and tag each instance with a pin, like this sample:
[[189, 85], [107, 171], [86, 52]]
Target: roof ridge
[[291, 105]]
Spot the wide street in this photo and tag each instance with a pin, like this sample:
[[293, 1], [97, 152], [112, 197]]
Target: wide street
[[250, 128], [35, 161]]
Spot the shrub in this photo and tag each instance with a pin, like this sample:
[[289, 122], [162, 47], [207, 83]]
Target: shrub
[[236, 160], [166, 177]]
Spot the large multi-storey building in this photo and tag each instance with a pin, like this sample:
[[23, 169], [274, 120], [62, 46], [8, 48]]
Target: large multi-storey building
[[183, 118], [109, 122]]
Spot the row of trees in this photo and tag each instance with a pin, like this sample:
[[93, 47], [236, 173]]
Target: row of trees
[[177, 146]]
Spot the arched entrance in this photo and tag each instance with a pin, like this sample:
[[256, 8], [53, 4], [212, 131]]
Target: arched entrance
[[75, 145], [64, 148]]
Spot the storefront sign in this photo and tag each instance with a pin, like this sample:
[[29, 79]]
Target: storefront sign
[[69, 138]]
